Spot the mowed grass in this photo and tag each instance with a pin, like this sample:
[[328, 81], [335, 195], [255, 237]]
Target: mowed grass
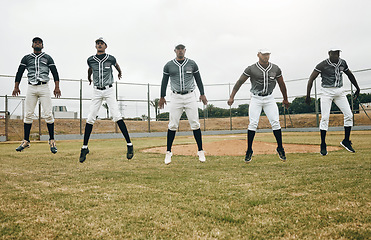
[[46, 196]]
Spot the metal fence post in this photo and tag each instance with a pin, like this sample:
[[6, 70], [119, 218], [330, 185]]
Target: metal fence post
[[6, 118], [351, 100], [117, 97], [230, 109], [149, 110], [316, 102], [39, 122], [80, 106]]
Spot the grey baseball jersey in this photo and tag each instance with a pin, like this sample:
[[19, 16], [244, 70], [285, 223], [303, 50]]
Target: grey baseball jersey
[[181, 74], [263, 80], [102, 69], [37, 66], [331, 73]]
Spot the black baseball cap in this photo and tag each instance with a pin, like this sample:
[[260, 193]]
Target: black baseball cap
[[37, 38], [179, 46]]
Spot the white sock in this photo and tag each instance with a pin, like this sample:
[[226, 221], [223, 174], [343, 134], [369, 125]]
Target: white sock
[[130, 144], [84, 146]]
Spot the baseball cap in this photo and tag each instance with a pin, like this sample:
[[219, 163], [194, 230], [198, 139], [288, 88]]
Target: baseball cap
[[101, 39], [264, 51], [179, 46], [37, 38], [334, 49]]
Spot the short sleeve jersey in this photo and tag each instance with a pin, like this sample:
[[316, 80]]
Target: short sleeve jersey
[[38, 66], [181, 74], [263, 80], [102, 69], [332, 73]]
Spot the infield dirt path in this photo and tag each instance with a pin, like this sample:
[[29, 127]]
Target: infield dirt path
[[237, 147]]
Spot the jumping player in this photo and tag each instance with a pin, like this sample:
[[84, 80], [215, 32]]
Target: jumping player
[[263, 76], [38, 65], [100, 66], [331, 71], [182, 72]]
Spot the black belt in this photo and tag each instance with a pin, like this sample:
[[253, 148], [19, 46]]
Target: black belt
[[263, 94], [38, 83], [104, 88], [183, 93]]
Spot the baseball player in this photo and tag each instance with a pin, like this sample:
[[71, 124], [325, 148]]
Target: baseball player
[[183, 72], [331, 71], [100, 66], [38, 65], [263, 76]]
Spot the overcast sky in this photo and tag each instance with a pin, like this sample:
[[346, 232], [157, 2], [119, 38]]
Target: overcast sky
[[221, 36]]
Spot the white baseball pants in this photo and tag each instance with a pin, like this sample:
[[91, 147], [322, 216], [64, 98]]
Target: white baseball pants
[[99, 96], [268, 104], [338, 96], [188, 103], [34, 93]]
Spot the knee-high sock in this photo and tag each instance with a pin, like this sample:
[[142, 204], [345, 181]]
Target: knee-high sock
[[170, 139], [347, 133], [50, 130], [250, 139], [124, 130], [278, 136], [27, 130], [198, 136], [323, 136], [88, 129]]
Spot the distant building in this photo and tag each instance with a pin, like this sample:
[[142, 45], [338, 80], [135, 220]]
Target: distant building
[[61, 112]]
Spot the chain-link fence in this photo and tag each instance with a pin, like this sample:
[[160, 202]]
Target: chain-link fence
[[138, 104]]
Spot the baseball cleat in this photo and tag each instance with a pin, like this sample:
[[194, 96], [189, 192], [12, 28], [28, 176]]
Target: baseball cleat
[[24, 144], [130, 152], [323, 149], [53, 146], [201, 156], [168, 157], [281, 153], [84, 152], [347, 145], [248, 156]]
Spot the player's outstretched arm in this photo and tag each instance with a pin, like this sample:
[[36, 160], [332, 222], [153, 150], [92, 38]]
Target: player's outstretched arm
[[283, 89], [236, 87], [90, 72], [354, 82], [117, 66], [312, 77]]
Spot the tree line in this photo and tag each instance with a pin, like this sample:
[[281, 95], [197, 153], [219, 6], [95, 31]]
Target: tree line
[[298, 106]]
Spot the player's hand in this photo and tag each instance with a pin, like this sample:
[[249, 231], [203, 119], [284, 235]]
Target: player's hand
[[356, 94], [161, 103], [89, 81], [230, 101], [120, 75], [57, 92], [203, 99], [16, 92], [286, 103], [308, 100]]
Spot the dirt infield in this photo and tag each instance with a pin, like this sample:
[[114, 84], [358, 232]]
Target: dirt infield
[[237, 147]]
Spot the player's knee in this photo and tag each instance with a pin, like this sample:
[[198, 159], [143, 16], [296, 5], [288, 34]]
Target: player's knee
[[90, 120], [275, 125], [115, 119], [173, 127], [195, 125], [252, 127]]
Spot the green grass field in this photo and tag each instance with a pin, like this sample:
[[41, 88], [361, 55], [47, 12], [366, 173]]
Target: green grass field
[[46, 196]]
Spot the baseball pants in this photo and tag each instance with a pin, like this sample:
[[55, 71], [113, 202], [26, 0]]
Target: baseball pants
[[268, 104], [338, 96], [99, 96], [188, 103], [34, 93]]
